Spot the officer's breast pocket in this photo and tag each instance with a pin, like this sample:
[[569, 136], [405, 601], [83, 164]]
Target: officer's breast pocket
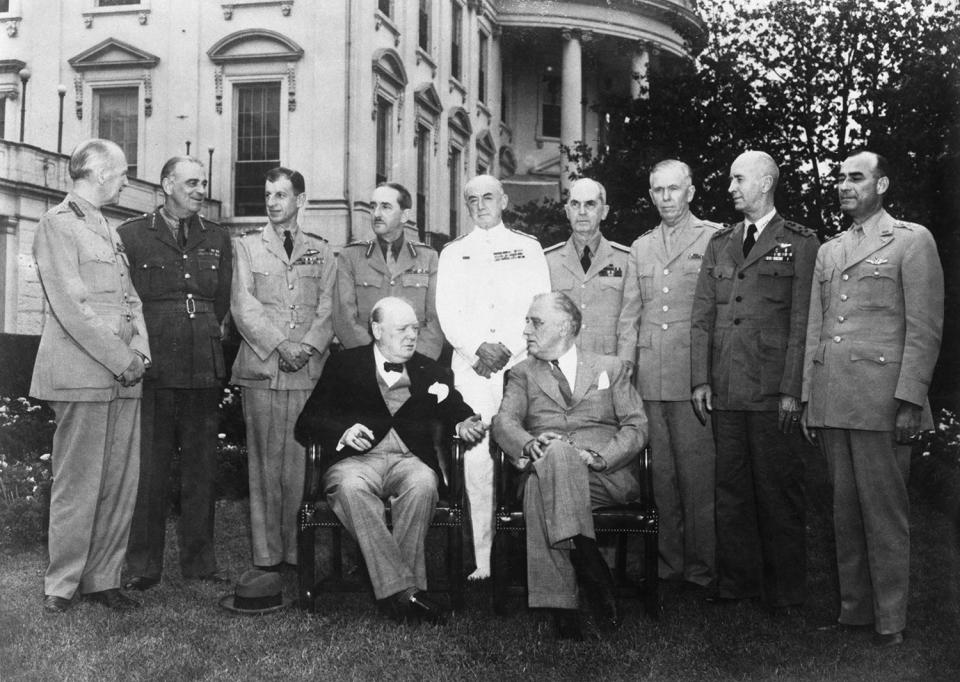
[[775, 281], [646, 282], [266, 285], [825, 280], [723, 282], [414, 286], [877, 286], [98, 269], [309, 282], [208, 274]]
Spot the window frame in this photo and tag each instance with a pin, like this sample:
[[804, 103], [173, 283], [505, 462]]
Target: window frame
[[97, 89], [236, 85]]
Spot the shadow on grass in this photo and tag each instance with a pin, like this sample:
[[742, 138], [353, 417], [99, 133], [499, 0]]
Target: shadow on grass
[[181, 634]]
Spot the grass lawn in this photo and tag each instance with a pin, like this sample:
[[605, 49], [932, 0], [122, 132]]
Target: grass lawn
[[182, 634]]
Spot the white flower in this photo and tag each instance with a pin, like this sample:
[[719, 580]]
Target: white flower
[[45, 457], [439, 390]]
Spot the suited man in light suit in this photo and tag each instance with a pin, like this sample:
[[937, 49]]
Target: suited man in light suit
[[654, 333], [873, 335], [93, 353], [374, 414], [573, 423], [748, 326]]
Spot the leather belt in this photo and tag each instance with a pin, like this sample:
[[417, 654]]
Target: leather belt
[[189, 306]]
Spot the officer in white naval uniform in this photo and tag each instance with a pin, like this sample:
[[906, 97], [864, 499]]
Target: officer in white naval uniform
[[485, 284]]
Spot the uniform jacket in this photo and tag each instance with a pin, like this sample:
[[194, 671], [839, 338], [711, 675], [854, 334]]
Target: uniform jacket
[[606, 413], [654, 325], [364, 277], [598, 292], [876, 317], [93, 320], [485, 284], [749, 318], [172, 282], [275, 298], [348, 393]]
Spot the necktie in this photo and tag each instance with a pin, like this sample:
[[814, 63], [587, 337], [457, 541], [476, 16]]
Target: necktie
[[182, 233], [393, 367], [585, 259], [287, 242], [562, 382], [750, 240]]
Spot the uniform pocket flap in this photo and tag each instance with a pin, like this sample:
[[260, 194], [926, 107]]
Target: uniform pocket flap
[[878, 354], [644, 339], [723, 271]]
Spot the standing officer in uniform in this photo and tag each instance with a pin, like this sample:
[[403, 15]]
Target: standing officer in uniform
[[748, 329], [92, 355], [282, 302], [876, 317], [654, 332], [181, 264], [589, 269], [485, 283], [387, 265]]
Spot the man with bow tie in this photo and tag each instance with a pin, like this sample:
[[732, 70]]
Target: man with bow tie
[[654, 333], [748, 326], [873, 335], [180, 263], [572, 421], [282, 302], [374, 413]]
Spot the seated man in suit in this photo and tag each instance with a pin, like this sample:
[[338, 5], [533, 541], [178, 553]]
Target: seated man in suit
[[576, 447], [373, 414]]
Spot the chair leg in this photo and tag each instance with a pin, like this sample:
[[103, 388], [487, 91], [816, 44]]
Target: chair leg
[[621, 559], [306, 568], [651, 582], [336, 553], [455, 577]]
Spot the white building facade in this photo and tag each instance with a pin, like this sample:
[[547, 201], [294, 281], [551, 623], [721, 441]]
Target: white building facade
[[427, 93]]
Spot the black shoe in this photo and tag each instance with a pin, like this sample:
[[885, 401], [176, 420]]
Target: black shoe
[[214, 578], [416, 607], [889, 640], [594, 574], [567, 622], [838, 628], [53, 604], [141, 583], [272, 568], [113, 599]]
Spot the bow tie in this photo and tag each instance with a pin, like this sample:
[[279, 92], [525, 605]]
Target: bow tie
[[393, 367]]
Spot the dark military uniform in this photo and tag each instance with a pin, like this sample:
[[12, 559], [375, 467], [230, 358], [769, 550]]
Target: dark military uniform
[[185, 294], [748, 330], [364, 277]]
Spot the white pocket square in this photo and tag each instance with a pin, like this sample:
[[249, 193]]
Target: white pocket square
[[603, 381], [439, 390]]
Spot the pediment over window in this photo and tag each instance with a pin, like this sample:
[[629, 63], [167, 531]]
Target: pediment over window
[[388, 64], [255, 45], [427, 97], [113, 54], [460, 121], [485, 142]]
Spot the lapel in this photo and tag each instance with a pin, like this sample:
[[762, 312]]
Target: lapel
[[162, 231], [586, 377], [735, 244], [405, 260], [772, 234], [367, 381], [274, 244], [601, 259], [873, 240], [196, 232], [542, 374], [688, 235], [571, 261]]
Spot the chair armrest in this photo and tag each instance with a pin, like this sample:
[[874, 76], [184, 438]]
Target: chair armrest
[[502, 470], [311, 474], [455, 473], [645, 476]]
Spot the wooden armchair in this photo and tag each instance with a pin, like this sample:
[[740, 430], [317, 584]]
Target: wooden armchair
[[316, 513], [508, 559]]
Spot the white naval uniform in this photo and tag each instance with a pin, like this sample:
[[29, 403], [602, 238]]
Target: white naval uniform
[[485, 283]]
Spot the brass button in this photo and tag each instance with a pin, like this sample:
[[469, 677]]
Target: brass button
[[837, 339]]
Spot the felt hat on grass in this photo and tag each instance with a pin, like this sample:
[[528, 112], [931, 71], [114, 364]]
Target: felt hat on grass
[[256, 592]]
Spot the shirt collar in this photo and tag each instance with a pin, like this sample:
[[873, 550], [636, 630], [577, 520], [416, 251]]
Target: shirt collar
[[870, 224], [594, 244], [568, 365], [388, 378], [395, 246], [762, 223]]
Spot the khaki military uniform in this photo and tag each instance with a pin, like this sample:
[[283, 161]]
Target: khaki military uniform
[[748, 327], [364, 277], [873, 335], [276, 298], [654, 332], [92, 329], [598, 292]]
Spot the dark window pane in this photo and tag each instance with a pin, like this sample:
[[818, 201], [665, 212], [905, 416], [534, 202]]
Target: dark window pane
[[456, 30], [111, 3], [384, 6], [423, 26], [455, 160], [257, 144], [115, 113]]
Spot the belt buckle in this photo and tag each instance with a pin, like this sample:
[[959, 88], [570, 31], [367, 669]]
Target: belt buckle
[[191, 305]]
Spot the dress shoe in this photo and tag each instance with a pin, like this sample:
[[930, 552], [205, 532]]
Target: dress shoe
[[567, 622], [594, 574], [113, 599], [839, 628], [886, 641], [53, 604], [272, 568], [214, 578], [141, 583], [422, 607]]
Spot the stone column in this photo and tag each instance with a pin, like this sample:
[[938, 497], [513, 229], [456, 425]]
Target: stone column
[[639, 68], [571, 95]]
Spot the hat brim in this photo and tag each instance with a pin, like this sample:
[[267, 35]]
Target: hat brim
[[227, 603]]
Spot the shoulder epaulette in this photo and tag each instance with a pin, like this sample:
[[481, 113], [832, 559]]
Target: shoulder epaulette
[[317, 236], [455, 239], [726, 229], [252, 230], [904, 225], [357, 243], [555, 247], [620, 247], [836, 236], [647, 233], [524, 234], [133, 219], [204, 219], [76, 209], [712, 225], [800, 229]]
